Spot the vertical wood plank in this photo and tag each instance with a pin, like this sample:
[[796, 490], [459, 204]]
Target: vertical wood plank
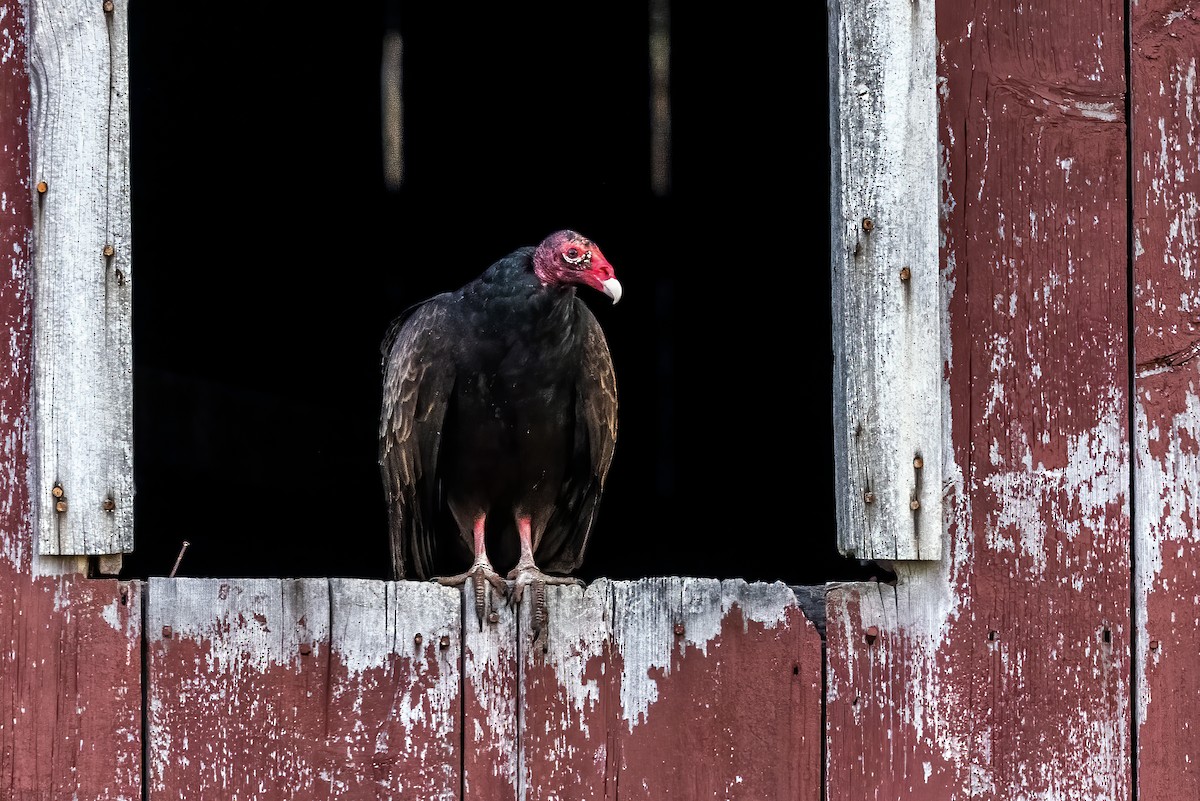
[[491, 695], [1166, 184], [887, 358], [720, 691], [71, 700], [70, 656], [310, 688], [83, 390], [1003, 672], [568, 698], [671, 688]]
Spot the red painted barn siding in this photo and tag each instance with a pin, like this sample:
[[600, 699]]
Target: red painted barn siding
[[70, 656], [992, 676], [1166, 182]]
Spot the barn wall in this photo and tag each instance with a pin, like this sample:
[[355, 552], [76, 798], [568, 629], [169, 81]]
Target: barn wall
[[70, 648], [1166, 302], [314, 688], [1003, 673]]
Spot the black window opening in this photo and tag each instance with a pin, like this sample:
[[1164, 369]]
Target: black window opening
[[272, 245]]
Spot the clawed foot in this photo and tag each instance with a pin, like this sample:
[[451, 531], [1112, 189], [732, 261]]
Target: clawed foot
[[524, 575], [484, 574]]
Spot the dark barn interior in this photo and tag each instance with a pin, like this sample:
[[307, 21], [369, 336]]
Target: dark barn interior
[[270, 255]]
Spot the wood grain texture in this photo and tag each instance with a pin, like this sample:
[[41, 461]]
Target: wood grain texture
[[1003, 672], [308, 688], [1166, 324], [83, 389], [70, 657], [887, 355], [491, 695], [70, 688], [672, 688]]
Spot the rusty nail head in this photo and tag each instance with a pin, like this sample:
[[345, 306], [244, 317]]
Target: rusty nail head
[[61, 506], [918, 463], [992, 635], [108, 6], [418, 639], [868, 224], [444, 642], [914, 504], [905, 273], [868, 497], [108, 505], [679, 629], [305, 649], [1154, 645], [493, 617], [109, 250], [42, 187], [57, 492], [167, 632], [872, 633]]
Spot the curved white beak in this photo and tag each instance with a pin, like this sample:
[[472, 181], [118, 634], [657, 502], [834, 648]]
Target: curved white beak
[[612, 288]]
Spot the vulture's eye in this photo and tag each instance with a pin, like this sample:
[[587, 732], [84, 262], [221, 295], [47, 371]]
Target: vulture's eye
[[572, 256]]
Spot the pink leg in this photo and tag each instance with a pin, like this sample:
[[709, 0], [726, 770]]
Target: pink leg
[[481, 571], [527, 572]]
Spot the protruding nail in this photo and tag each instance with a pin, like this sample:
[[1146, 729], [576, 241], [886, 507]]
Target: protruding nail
[[444, 642], [109, 250], [61, 506], [918, 463], [42, 187], [108, 6], [868, 224], [108, 504], [166, 632], [305, 649], [914, 504], [679, 629], [868, 497], [1154, 645], [872, 634], [418, 639], [57, 492], [493, 617], [993, 635], [905, 273]]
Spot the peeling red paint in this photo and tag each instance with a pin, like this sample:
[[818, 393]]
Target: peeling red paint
[[1003, 673], [70, 663], [364, 710], [735, 712], [490, 699], [1166, 185]]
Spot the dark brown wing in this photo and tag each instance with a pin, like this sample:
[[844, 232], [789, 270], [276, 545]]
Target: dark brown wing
[[565, 538], [418, 381]]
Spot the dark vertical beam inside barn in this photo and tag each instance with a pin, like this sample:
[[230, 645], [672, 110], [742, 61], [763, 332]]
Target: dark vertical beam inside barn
[[1166, 316], [1003, 671]]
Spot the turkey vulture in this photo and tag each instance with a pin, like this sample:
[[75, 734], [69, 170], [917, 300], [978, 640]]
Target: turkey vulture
[[498, 423]]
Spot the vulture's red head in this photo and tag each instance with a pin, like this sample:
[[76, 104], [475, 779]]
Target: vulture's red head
[[566, 258]]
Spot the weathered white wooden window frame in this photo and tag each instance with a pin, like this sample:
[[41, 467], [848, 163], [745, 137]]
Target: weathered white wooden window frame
[[887, 331], [82, 482], [886, 298]]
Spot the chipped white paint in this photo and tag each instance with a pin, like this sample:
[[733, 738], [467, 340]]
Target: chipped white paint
[[430, 611], [1093, 479], [644, 616], [887, 356], [246, 624], [1170, 483], [581, 628], [82, 346], [490, 687]]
